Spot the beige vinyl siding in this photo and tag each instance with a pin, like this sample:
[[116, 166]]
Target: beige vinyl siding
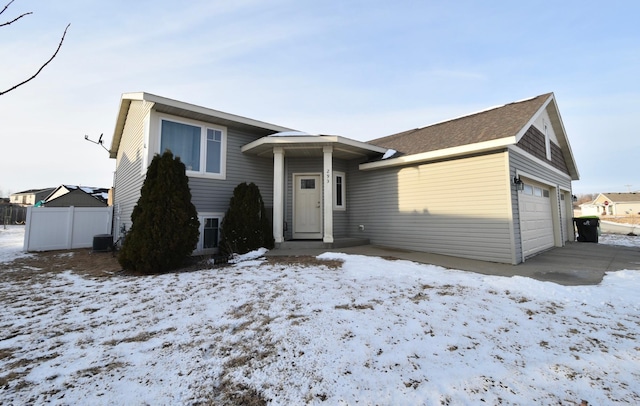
[[626, 209], [458, 207], [522, 163], [129, 176]]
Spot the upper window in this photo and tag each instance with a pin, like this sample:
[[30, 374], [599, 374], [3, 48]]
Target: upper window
[[547, 140], [340, 198], [201, 149]]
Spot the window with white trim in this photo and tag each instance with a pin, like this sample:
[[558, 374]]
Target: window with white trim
[[537, 191], [528, 189], [202, 149], [209, 239], [339, 196]]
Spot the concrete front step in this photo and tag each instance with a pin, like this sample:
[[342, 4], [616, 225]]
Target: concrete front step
[[319, 244]]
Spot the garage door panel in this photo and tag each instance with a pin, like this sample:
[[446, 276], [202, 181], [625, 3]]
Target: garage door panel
[[535, 221]]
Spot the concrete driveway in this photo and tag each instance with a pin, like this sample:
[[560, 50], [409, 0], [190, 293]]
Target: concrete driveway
[[574, 264]]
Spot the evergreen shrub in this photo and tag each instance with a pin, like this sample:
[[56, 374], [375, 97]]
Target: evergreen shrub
[[245, 226], [165, 226]]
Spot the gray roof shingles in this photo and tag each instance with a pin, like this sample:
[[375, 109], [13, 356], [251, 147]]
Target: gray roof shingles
[[492, 124], [623, 197]]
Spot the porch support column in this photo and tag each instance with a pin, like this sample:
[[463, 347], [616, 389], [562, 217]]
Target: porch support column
[[278, 195], [327, 176]]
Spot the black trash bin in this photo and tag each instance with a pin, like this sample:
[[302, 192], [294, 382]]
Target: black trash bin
[[587, 228]]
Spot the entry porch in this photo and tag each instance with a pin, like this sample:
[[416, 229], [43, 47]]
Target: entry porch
[[310, 183]]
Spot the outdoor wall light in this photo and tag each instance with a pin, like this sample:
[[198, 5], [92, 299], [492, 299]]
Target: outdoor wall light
[[518, 182]]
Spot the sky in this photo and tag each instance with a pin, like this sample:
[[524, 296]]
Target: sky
[[358, 330], [360, 69]]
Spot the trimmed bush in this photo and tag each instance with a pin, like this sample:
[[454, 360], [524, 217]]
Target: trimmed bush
[[246, 226], [165, 226]]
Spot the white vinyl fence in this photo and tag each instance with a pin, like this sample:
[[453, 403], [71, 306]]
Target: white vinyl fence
[[615, 228], [59, 228]]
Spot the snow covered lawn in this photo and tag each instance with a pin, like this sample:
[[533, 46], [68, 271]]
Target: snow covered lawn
[[11, 243], [359, 330]]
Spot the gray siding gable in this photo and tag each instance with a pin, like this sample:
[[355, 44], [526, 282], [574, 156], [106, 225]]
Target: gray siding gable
[[521, 163], [213, 195], [208, 195]]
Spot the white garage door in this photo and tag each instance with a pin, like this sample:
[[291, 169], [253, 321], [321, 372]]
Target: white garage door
[[535, 219]]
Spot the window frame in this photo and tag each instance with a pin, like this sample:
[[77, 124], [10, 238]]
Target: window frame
[[343, 189], [202, 219], [204, 127], [537, 191], [528, 189]]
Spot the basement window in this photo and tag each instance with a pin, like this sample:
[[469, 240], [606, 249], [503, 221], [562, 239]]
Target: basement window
[[208, 242]]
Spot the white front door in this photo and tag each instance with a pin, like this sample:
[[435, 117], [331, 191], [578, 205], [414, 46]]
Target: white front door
[[307, 203]]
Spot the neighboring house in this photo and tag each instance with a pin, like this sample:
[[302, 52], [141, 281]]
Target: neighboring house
[[613, 204], [494, 185], [11, 213], [30, 197], [77, 196]]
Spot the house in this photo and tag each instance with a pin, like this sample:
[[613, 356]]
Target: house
[[77, 196], [30, 197], [613, 204], [11, 213], [494, 185]]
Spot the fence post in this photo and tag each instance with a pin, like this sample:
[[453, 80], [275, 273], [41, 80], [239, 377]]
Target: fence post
[[71, 219], [27, 230]]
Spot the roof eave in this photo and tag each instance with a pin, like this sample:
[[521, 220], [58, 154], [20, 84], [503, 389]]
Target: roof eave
[[125, 102], [556, 121], [255, 146], [476, 148], [127, 98]]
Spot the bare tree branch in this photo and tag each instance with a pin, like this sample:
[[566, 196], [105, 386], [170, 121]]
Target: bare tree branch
[[6, 7], [15, 19], [42, 67]]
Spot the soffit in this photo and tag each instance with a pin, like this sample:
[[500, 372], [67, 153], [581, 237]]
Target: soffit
[[313, 146]]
